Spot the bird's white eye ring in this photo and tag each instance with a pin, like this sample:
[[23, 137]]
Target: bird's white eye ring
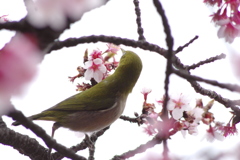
[[123, 51]]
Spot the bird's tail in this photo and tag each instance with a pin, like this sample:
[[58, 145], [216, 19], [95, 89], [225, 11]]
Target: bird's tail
[[34, 117]]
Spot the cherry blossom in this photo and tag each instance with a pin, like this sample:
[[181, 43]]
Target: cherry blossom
[[95, 69], [228, 31], [236, 17], [111, 51], [190, 127], [145, 92], [192, 118], [227, 17], [178, 104], [112, 48], [228, 130], [212, 134], [194, 115], [95, 54]]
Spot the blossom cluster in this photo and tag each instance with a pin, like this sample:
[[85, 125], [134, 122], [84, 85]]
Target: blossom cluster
[[227, 17], [185, 118], [96, 66]]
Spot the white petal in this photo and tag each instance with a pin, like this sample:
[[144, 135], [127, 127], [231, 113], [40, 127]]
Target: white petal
[[98, 76], [184, 133], [209, 137], [88, 74], [177, 113], [218, 136], [193, 130], [102, 68], [88, 64], [170, 105], [197, 112], [97, 61], [146, 90]]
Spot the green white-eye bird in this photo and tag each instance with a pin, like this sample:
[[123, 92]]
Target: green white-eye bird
[[99, 106]]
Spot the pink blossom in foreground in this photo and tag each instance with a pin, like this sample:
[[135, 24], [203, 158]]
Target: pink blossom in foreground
[[18, 65], [45, 13], [54, 13], [178, 104], [149, 130], [3, 19], [95, 69], [74, 9]]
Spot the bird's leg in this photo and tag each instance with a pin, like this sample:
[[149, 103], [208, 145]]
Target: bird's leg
[[90, 143], [55, 126], [91, 146]]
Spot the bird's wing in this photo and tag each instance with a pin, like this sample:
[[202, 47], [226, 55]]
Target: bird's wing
[[77, 103]]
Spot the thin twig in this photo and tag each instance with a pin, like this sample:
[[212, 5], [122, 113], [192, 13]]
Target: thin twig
[[139, 120], [209, 60], [230, 87], [180, 48]]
